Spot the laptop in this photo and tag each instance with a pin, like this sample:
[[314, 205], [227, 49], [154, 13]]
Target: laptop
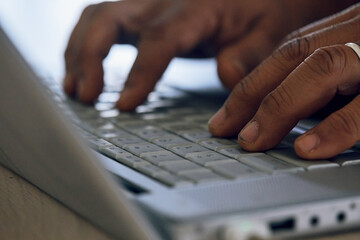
[[158, 173]]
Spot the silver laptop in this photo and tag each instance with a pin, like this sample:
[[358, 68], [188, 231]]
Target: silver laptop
[[158, 173]]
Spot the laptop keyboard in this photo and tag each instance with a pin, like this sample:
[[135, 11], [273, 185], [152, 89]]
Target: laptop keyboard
[[167, 140]]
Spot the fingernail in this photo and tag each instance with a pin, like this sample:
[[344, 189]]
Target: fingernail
[[250, 132], [218, 119], [308, 143]]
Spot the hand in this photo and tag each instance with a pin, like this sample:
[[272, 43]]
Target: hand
[[298, 79], [240, 33]]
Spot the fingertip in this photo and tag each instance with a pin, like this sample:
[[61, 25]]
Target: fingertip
[[123, 104], [88, 91], [306, 145], [216, 121], [129, 100], [250, 133], [69, 84]]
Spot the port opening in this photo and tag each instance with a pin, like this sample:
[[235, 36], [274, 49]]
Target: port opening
[[314, 221], [283, 225], [341, 217]]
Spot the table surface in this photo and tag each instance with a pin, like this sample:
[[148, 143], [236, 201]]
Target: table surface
[[28, 213]]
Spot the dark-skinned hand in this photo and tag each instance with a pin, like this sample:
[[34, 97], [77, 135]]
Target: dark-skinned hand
[[239, 33], [299, 78]]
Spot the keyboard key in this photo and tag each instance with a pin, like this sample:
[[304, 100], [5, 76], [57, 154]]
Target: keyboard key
[[269, 164], [124, 140], [95, 123], [217, 143], [140, 148], [168, 141], [202, 176], [131, 160], [157, 116], [106, 125], [103, 106], [113, 151], [347, 158], [110, 133], [203, 158], [108, 97], [161, 156], [88, 114], [121, 117], [234, 152], [97, 143], [234, 169], [149, 133], [196, 135], [184, 111], [151, 170], [109, 114], [289, 155], [179, 166], [202, 118], [85, 134], [131, 124], [179, 127], [185, 149], [172, 180]]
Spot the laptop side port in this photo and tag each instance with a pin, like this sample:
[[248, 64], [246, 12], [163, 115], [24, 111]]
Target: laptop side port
[[282, 225]]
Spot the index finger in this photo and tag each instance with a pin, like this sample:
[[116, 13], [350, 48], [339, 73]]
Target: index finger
[[166, 37]]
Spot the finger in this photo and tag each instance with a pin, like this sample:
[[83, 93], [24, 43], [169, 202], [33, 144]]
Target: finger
[[88, 45], [330, 21], [335, 134], [72, 49], [247, 95], [236, 60], [97, 30], [69, 84], [168, 36], [308, 88]]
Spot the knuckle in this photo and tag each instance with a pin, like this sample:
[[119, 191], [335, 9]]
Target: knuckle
[[155, 31], [328, 60], [298, 48], [164, 33], [102, 8], [88, 10], [185, 42], [245, 90], [95, 11], [242, 92], [277, 101]]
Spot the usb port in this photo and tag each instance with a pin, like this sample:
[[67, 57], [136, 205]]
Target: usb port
[[283, 225]]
